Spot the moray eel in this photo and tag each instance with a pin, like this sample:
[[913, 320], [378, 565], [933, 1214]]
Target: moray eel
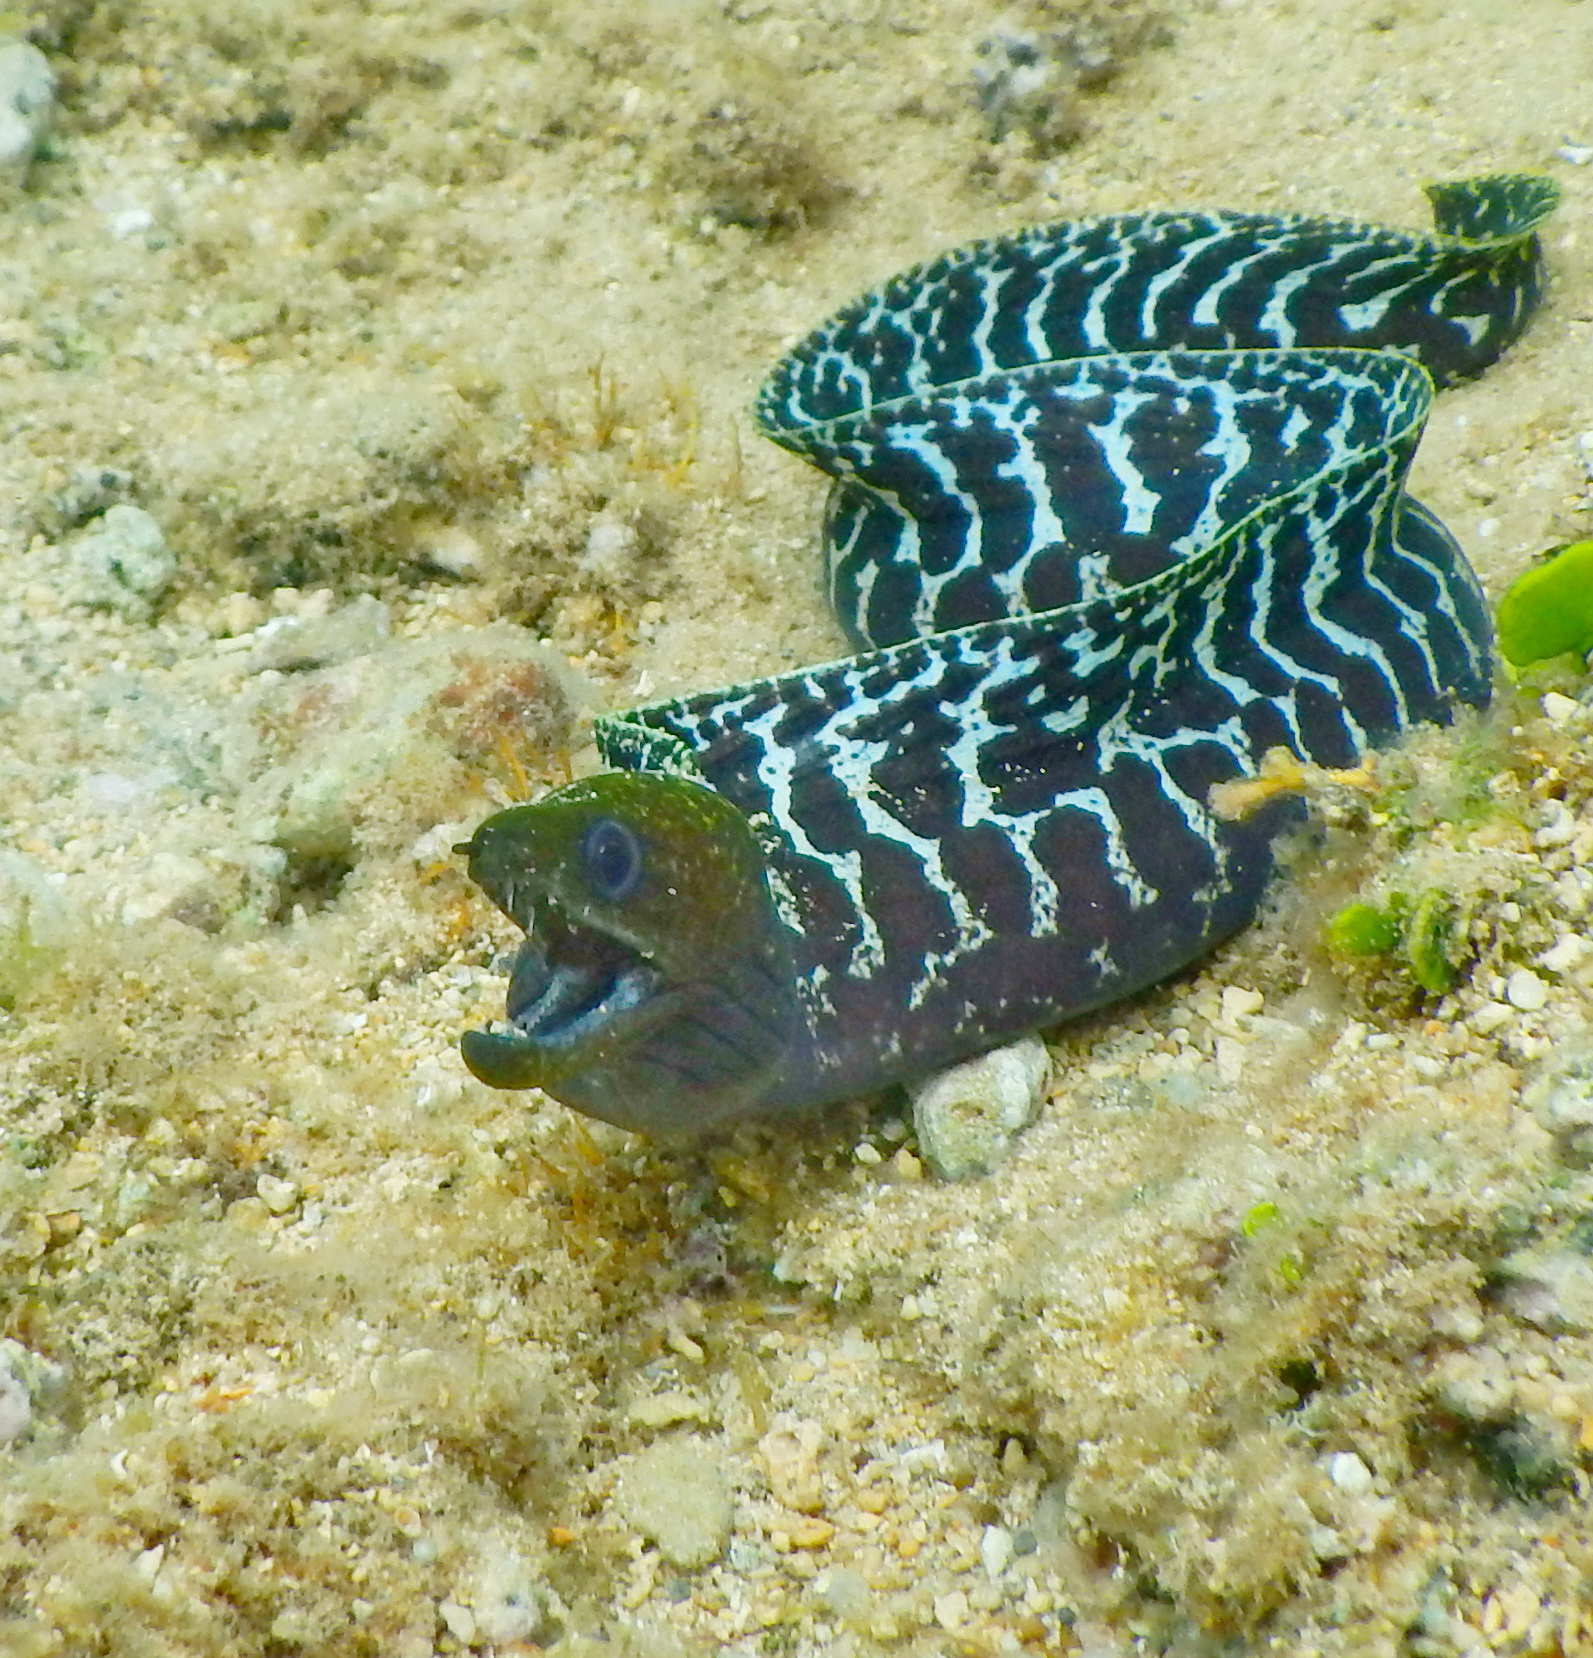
[[1118, 506]]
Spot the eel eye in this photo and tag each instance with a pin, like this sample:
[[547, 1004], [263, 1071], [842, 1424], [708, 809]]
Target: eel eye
[[612, 858]]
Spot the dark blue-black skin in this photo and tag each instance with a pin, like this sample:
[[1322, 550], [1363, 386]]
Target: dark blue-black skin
[[816, 885]]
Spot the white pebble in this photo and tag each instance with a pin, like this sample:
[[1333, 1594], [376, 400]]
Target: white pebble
[[1573, 891], [1489, 1016], [276, 1194], [1525, 990], [1564, 954], [131, 221], [968, 1116], [1349, 1473], [1558, 710], [1559, 826], [1229, 1054], [454, 551], [461, 1621], [1579, 155], [995, 1549], [27, 102]]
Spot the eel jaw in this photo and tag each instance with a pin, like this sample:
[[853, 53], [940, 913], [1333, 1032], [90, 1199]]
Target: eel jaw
[[572, 986]]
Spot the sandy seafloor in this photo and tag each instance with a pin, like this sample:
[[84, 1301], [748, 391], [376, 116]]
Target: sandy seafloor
[[426, 335]]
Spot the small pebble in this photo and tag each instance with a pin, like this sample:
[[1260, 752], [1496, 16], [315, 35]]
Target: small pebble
[[278, 1195], [1525, 990], [905, 1166], [1579, 155], [846, 1593], [241, 613], [1475, 1385], [1551, 1291], [968, 1116], [460, 1620], [27, 104], [514, 1608], [995, 1550], [1349, 1473], [126, 563], [16, 1408], [126, 222], [1565, 953], [454, 551], [677, 1495], [951, 1611], [1558, 828], [1562, 1101], [1559, 710], [667, 1410], [1459, 1322]]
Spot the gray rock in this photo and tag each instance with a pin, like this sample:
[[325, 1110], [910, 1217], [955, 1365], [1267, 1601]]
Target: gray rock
[[968, 1117], [1475, 1385], [1552, 1290], [27, 104], [126, 563], [396, 732], [296, 644], [676, 1494]]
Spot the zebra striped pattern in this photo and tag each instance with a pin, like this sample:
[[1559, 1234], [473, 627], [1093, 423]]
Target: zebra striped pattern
[[919, 399], [1119, 506]]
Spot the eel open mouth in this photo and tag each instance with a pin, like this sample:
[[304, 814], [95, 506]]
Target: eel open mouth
[[569, 983]]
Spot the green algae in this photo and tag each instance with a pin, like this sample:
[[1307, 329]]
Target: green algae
[[1419, 935], [1428, 942], [1361, 929], [1548, 610]]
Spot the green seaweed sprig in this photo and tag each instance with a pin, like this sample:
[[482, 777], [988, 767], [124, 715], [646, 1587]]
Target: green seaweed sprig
[[1547, 611], [1422, 933]]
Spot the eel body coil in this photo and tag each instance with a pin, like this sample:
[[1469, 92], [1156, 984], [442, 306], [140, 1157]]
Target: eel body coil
[[1118, 506]]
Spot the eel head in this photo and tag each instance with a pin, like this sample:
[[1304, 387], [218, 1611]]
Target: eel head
[[654, 987]]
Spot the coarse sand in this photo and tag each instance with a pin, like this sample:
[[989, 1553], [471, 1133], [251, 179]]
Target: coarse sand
[[373, 408]]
